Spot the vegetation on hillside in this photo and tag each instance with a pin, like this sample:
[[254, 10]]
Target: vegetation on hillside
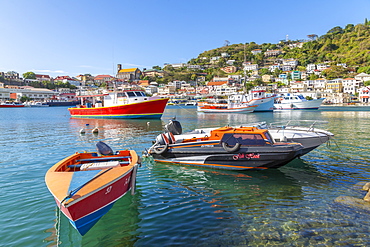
[[349, 45]]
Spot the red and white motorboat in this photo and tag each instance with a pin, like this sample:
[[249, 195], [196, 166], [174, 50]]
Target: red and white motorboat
[[121, 104]]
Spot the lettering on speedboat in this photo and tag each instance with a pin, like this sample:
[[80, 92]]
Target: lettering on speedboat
[[207, 146], [246, 156]]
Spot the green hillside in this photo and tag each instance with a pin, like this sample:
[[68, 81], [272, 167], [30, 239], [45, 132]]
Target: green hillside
[[350, 45]]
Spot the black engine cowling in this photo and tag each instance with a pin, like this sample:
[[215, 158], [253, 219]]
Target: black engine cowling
[[174, 127]]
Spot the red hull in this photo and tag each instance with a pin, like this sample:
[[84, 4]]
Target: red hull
[[146, 109], [11, 106], [105, 196]]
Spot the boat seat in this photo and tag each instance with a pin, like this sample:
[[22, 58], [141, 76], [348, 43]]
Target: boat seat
[[104, 158], [98, 165]]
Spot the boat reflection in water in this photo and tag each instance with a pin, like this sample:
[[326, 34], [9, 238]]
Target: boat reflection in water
[[123, 218], [111, 128], [236, 206]]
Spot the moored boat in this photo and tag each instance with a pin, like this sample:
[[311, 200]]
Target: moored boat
[[11, 105], [257, 97], [123, 104], [296, 102], [226, 108], [36, 104], [228, 148], [85, 185], [305, 132]]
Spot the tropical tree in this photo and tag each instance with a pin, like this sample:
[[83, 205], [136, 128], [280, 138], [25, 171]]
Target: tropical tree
[[29, 75]]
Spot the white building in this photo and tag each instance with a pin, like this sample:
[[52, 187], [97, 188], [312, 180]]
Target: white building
[[320, 84], [248, 67], [363, 77], [273, 67], [291, 62], [364, 94], [311, 67], [351, 85]]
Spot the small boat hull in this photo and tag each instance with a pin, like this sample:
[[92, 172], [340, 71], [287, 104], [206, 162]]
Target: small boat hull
[[11, 105], [313, 104], [84, 214], [217, 158], [228, 148], [242, 109], [85, 186], [152, 109]]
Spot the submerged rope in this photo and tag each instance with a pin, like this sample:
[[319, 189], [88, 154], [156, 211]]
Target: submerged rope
[[58, 224], [329, 144]]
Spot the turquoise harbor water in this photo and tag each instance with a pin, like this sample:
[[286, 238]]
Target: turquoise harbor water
[[183, 206]]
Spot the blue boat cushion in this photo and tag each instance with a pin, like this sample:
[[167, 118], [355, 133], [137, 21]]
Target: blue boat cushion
[[244, 139]]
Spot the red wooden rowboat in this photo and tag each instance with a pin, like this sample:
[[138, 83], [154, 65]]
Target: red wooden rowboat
[[86, 185]]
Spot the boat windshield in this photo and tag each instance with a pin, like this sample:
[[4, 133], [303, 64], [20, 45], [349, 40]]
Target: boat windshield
[[136, 94], [244, 139]]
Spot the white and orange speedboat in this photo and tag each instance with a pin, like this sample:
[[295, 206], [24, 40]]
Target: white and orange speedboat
[[229, 148], [85, 185]]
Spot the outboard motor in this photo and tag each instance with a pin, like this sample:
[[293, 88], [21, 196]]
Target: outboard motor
[[103, 148], [174, 127]]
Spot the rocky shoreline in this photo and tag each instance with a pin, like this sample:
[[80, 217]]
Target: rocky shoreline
[[355, 202]]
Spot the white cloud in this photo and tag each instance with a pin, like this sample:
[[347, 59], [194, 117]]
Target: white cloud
[[49, 71]]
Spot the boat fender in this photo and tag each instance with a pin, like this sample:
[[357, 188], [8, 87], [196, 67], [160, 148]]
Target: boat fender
[[230, 149], [160, 149]]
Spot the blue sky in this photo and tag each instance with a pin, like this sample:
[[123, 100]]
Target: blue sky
[[73, 37]]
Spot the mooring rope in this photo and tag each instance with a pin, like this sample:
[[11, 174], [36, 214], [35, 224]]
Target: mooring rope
[[58, 223], [329, 144]]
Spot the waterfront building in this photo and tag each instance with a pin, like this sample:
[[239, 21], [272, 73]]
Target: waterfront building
[[320, 84], [220, 88], [166, 90], [351, 85], [298, 86], [16, 93], [364, 94], [334, 86]]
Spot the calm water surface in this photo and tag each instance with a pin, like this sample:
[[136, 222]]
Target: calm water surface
[[182, 206]]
